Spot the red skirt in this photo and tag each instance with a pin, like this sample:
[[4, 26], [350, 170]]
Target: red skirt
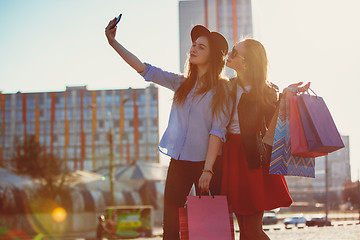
[[250, 190]]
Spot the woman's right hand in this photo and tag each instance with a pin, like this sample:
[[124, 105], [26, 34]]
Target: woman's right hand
[[110, 31]]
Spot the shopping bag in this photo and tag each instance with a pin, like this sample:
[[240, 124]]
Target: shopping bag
[[270, 132], [282, 161], [319, 127], [206, 217], [299, 145]]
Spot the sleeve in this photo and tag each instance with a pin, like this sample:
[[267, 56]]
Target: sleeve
[[166, 79], [220, 122]]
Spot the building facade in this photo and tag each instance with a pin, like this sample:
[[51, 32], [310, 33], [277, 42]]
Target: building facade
[[75, 125], [314, 189], [232, 18]]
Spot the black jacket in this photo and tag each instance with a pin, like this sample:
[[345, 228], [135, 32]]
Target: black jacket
[[253, 121]]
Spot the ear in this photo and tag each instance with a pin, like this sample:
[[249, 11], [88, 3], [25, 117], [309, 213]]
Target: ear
[[245, 67]]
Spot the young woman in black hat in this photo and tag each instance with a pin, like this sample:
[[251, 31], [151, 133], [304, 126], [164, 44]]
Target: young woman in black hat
[[198, 117]]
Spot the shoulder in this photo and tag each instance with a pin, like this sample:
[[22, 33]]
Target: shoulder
[[271, 91]]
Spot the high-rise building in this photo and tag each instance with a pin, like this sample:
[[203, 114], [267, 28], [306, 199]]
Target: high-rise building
[[75, 124], [232, 18]]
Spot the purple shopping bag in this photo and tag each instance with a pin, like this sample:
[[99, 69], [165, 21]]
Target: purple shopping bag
[[299, 145], [320, 130]]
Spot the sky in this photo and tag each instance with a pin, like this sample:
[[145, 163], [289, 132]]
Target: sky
[[46, 45]]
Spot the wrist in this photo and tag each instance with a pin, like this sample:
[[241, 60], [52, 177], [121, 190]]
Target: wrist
[[111, 41], [208, 171]]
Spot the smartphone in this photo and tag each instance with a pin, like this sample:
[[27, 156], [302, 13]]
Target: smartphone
[[117, 20]]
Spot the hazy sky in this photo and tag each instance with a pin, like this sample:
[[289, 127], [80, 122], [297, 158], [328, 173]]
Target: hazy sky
[[48, 45]]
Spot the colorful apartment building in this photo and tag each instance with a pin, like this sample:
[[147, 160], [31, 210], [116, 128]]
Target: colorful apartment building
[[75, 124]]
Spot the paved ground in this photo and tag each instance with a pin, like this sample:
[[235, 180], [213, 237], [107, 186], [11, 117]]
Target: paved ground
[[342, 232], [346, 230], [318, 233]]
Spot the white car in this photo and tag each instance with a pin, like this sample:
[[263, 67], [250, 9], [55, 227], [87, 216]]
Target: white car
[[295, 220]]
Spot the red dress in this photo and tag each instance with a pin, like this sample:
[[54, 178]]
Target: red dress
[[250, 190]]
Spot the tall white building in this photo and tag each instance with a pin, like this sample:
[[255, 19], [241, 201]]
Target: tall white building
[[232, 18]]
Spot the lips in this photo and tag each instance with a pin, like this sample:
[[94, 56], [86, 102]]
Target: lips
[[192, 55]]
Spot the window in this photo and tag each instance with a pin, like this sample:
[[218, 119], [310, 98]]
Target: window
[[109, 99], [153, 111]]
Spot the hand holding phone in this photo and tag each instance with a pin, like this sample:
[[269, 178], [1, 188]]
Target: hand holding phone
[[117, 20]]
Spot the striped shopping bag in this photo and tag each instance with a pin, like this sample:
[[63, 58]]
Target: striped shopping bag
[[282, 161]]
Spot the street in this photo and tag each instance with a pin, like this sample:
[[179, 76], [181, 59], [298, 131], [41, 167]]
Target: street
[[345, 230], [336, 232]]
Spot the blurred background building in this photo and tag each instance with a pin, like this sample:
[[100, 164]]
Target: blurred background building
[[232, 18], [75, 125], [309, 191]]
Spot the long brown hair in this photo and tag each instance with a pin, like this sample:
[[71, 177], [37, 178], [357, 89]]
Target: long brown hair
[[256, 72], [211, 80]]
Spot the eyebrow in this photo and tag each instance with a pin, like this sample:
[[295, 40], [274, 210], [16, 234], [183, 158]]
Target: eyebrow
[[201, 44]]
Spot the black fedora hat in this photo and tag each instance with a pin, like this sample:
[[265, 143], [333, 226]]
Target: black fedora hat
[[217, 40]]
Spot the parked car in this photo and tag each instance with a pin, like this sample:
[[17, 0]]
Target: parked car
[[295, 220], [269, 218], [319, 220]]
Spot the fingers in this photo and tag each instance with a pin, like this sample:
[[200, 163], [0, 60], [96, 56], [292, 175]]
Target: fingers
[[204, 183], [110, 25], [304, 88]]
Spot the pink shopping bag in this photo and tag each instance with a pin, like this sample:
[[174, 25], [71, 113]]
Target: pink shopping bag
[[206, 218]]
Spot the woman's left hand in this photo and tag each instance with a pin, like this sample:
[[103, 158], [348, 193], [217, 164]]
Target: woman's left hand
[[204, 181], [296, 87]]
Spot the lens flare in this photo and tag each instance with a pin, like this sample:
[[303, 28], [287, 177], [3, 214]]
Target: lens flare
[[59, 214]]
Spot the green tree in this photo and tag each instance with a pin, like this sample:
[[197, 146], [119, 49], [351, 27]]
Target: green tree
[[30, 159]]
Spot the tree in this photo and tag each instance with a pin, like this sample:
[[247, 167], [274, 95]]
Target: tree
[[350, 192], [30, 159]]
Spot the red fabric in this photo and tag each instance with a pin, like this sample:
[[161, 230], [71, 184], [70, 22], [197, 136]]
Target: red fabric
[[250, 191]]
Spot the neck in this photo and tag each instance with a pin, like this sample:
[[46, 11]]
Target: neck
[[244, 81], [202, 69]]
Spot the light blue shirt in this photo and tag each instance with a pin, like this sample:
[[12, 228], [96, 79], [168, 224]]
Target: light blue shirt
[[190, 124]]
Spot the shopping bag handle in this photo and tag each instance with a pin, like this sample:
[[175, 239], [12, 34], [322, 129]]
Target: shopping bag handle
[[307, 91], [208, 194]]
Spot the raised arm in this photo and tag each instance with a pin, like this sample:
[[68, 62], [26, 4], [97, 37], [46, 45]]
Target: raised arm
[[131, 59]]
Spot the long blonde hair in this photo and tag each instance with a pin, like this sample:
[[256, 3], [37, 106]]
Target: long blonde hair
[[256, 60], [211, 80]]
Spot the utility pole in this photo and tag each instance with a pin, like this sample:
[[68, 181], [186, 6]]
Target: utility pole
[[111, 164], [111, 167], [326, 188]]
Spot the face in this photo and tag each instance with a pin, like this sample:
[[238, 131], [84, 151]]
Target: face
[[200, 51], [235, 58]]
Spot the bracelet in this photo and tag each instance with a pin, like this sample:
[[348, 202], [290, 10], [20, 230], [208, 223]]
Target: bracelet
[[209, 171]]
